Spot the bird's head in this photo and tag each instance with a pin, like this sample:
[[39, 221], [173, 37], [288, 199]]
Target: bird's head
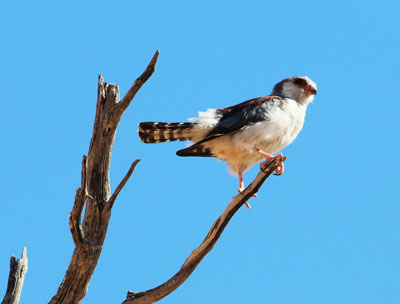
[[300, 88]]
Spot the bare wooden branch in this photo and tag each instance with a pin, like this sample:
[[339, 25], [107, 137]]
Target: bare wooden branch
[[95, 192], [76, 213], [122, 184], [157, 293], [140, 81], [18, 269], [95, 195]]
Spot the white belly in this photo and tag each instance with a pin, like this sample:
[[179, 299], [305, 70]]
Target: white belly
[[270, 136]]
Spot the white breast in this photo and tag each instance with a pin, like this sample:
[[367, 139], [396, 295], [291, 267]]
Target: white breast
[[280, 130], [270, 136]]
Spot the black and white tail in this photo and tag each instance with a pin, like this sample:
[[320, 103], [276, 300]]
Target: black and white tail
[[156, 132]]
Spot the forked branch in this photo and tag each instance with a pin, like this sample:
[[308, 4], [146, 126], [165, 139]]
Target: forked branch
[[94, 194], [76, 213], [157, 293]]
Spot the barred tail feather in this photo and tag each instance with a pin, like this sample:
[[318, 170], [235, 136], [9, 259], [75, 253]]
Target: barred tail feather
[[156, 132], [195, 150]]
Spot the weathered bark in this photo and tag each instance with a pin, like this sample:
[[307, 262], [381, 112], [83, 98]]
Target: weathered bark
[[18, 269], [157, 293], [95, 189]]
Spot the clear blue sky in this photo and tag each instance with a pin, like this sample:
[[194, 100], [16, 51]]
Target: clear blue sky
[[327, 231]]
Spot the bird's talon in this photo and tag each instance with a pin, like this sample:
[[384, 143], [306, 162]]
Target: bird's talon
[[277, 172], [241, 192]]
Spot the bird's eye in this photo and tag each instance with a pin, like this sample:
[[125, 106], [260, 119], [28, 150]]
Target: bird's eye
[[299, 82]]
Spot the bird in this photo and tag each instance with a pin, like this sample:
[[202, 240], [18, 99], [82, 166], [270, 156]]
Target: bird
[[243, 134]]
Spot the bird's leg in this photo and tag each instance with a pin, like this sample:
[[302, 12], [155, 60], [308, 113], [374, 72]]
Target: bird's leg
[[241, 183], [241, 188], [268, 157]]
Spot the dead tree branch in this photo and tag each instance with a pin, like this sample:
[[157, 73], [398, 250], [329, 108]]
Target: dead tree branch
[[95, 192], [122, 184], [18, 269], [194, 259]]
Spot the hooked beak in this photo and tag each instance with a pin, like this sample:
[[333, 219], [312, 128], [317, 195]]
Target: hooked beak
[[311, 90]]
